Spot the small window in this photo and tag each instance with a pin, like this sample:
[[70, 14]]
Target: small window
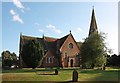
[[51, 59], [47, 60], [70, 45]]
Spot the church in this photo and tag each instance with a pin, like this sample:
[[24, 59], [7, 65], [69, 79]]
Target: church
[[59, 52]]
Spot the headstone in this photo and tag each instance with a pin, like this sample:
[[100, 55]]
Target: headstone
[[83, 66], [56, 72], [103, 67], [75, 76]]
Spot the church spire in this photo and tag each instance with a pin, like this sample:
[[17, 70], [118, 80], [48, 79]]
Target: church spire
[[43, 36], [93, 24]]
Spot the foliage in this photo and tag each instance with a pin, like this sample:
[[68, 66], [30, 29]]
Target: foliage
[[8, 59], [94, 50], [113, 60], [79, 44], [32, 53]]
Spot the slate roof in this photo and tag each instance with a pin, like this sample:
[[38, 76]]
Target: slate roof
[[50, 39], [62, 40], [49, 42]]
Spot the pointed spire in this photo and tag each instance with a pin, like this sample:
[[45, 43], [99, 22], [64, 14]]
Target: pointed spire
[[93, 7], [93, 24], [43, 36]]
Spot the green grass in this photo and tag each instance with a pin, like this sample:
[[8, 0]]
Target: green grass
[[110, 74]]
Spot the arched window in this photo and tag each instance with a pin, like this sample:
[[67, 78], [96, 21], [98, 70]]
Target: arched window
[[49, 59], [70, 46]]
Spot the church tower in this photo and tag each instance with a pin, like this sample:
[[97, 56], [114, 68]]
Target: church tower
[[93, 24]]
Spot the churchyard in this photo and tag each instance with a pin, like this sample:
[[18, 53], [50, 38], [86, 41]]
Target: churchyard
[[64, 75]]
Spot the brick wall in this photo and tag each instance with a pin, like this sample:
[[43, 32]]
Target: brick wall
[[47, 62], [70, 52]]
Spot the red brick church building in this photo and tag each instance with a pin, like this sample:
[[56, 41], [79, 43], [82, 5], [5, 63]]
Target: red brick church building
[[59, 52], [66, 47]]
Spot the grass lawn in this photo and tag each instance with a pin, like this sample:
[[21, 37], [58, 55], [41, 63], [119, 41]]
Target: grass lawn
[[110, 74]]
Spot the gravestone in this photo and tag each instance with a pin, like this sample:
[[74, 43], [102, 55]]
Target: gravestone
[[103, 68], [75, 76], [56, 72]]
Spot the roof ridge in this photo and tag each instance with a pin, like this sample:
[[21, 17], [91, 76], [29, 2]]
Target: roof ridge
[[51, 37], [63, 39], [64, 36], [29, 36]]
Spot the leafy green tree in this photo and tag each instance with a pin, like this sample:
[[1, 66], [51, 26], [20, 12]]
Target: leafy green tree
[[14, 58], [79, 44], [94, 50], [113, 60], [32, 53], [8, 59]]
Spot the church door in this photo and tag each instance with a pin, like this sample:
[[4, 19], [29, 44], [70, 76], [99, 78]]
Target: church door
[[71, 63]]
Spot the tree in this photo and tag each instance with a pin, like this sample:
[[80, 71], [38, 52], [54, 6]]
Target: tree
[[79, 44], [114, 60], [32, 53], [94, 50], [8, 59], [14, 57]]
